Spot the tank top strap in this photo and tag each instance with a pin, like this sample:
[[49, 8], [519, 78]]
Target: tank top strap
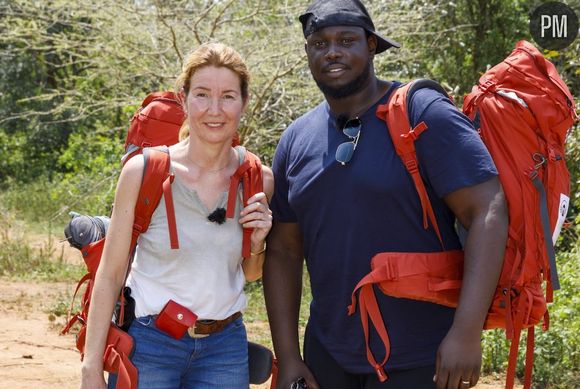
[[241, 151]]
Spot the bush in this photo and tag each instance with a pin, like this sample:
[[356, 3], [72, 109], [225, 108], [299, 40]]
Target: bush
[[18, 259]]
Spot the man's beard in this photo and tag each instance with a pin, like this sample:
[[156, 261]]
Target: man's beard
[[349, 89]]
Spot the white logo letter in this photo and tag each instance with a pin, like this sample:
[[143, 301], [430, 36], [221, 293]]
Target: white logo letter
[[546, 23], [560, 30]]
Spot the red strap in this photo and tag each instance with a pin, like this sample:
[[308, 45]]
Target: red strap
[[126, 372], [512, 361], [250, 174], [234, 184], [274, 374], [156, 171], [170, 211], [371, 310], [69, 324], [412, 166], [247, 232], [240, 175], [546, 321], [74, 319], [513, 355], [529, 358], [509, 319], [395, 114], [377, 275], [127, 377]]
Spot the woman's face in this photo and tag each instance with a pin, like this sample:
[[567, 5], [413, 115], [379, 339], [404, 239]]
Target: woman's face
[[214, 104]]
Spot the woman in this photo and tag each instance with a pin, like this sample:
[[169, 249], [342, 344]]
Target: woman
[[207, 273]]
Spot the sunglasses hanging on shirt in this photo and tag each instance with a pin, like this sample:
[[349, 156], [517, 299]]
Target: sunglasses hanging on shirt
[[345, 150]]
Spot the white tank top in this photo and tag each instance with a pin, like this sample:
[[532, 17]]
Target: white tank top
[[205, 274]]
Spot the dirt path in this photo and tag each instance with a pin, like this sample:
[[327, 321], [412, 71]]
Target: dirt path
[[32, 354]]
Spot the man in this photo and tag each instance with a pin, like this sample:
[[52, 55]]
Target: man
[[342, 195]]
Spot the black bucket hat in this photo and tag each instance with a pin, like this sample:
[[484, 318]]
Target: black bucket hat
[[326, 13]]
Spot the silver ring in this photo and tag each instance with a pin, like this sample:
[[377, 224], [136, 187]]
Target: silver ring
[[465, 382]]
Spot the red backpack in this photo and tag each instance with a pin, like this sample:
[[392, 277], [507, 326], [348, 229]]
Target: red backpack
[[522, 110], [156, 123]]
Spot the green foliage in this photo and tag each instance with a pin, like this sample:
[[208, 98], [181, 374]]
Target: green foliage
[[48, 204], [458, 41], [18, 259]]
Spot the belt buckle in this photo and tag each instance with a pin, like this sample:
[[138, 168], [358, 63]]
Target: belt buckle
[[192, 334]]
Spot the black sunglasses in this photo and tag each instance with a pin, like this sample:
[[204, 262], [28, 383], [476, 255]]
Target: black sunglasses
[[345, 150]]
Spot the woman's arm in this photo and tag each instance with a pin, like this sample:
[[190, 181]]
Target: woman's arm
[[111, 272], [257, 215]]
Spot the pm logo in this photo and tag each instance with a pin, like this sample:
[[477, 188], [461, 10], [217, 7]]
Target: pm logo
[[554, 25]]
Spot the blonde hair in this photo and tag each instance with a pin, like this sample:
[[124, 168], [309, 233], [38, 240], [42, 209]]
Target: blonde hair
[[211, 54]]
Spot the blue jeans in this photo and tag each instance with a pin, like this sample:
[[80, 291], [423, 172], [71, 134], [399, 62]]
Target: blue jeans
[[216, 361]]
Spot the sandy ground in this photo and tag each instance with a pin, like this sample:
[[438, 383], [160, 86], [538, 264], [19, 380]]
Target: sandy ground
[[34, 355]]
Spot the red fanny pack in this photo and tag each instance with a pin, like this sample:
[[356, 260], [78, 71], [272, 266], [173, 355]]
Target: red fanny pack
[[174, 319]]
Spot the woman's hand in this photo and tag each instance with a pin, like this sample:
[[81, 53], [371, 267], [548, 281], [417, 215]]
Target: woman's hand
[[257, 215], [92, 379]]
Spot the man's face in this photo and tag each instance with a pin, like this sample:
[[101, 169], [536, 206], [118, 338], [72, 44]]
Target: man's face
[[340, 59]]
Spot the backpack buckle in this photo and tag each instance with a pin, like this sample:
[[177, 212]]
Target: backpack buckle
[[532, 174], [488, 85], [412, 165]]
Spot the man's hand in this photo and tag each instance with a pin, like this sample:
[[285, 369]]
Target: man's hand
[[291, 371], [458, 362]]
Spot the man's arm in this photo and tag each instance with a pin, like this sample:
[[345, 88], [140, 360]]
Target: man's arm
[[482, 210], [282, 280]]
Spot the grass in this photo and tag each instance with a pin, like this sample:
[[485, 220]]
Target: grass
[[256, 317], [20, 259]]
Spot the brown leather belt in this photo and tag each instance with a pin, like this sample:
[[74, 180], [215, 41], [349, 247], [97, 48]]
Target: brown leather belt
[[203, 328]]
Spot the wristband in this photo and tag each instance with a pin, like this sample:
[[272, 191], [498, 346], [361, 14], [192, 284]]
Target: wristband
[[259, 252]]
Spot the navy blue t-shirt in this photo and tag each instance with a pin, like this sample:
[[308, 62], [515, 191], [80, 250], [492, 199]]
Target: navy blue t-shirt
[[347, 214]]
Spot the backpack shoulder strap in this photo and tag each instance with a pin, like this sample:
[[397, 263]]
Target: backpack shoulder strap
[[157, 179], [396, 114], [250, 175]]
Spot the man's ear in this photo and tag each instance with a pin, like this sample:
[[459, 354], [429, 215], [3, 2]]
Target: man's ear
[[372, 43]]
